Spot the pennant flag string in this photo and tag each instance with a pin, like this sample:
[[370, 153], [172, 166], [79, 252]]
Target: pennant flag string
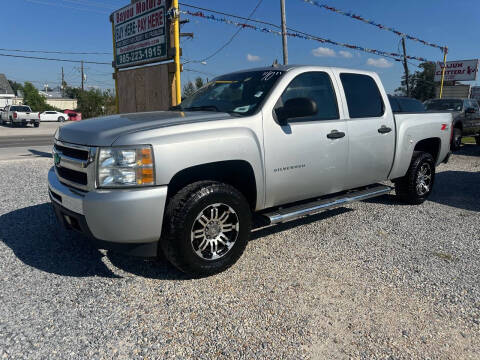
[[300, 36], [380, 26]]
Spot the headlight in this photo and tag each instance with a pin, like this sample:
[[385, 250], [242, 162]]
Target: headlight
[[121, 167]]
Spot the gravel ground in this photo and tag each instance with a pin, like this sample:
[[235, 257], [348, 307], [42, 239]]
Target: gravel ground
[[374, 280]]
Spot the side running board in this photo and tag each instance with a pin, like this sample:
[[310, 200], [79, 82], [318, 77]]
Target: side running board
[[318, 205]]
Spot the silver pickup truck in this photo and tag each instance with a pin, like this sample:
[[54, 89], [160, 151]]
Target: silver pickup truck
[[269, 144]]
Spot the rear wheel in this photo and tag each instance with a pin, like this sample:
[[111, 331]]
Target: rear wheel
[[415, 187], [457, 139], [36, 124], [206, 228]]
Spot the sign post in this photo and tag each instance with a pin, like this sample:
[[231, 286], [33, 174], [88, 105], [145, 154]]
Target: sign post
[[176, 30], [443, 70]]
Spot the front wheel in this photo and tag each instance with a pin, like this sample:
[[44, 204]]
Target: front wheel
[[416, 186], [206, 228], [61, 119]]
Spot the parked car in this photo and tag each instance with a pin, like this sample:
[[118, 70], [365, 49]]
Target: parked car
[[73, 115], [276, 143], [401, 104], [53, 116], [466, 117], [20, 115]]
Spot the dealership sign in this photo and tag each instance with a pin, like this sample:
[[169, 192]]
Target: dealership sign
[[140, 33], [457, 70]]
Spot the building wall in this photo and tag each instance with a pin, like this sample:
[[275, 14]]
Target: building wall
[[62, 104], [457, 91]]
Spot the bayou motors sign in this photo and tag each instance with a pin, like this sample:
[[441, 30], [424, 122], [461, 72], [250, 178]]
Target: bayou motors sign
[[140, 33], [457, 70]]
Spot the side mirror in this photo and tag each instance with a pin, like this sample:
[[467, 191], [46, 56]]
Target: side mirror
[[296, 108], [470, 110]]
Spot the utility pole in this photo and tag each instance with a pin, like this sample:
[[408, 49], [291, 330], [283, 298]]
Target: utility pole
[[83, 77], [405, 65], [284, 32], [63, 84]]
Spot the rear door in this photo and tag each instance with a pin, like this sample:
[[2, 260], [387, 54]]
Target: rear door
[[371, 129]]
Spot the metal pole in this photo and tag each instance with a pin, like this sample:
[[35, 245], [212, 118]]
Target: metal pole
[[443, 70], [176, 30], [117, 105], [83, 77], [63, 82], [405, 65], [284, 33]]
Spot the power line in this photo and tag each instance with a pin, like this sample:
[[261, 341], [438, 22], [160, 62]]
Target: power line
[[231, 38], [52, 59], [292, 32], [66, 6], [57, 52], [199, 72]]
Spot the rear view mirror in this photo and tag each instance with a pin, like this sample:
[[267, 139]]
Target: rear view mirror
[[296, 108]]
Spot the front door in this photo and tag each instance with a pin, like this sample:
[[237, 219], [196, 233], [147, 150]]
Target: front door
[[308, 156], [371, 130]]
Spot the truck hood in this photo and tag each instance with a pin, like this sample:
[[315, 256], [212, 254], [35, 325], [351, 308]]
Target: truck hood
[[105, 130]]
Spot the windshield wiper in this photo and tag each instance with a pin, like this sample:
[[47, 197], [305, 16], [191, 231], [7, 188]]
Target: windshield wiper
[[202, 108]]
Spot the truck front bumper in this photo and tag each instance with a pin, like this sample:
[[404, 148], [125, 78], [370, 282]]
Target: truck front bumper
[[123, 220]]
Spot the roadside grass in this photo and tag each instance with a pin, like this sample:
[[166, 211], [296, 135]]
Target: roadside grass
[[468, 140]]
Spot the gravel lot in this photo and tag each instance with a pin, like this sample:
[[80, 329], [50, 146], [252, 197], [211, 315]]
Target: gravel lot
[[374, 280]]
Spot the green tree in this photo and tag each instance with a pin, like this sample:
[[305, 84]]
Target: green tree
[[199, 82], [72, 93], [32, 98], [188, 89], [422, 85], [15, 86], [91, 103]]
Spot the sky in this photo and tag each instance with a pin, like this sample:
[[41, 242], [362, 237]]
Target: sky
[[83, 26]]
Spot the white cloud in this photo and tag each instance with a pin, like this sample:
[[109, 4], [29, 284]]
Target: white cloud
[[345, 54], [323, 52], [252, 58], [380, 63]]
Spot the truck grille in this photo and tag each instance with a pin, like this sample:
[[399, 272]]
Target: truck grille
[[75, 165]]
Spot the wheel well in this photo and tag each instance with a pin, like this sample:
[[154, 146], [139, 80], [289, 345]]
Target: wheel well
[[237, 173], [458, 125], [431, 146]]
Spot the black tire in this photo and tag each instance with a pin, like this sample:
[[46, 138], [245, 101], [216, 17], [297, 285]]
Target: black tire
[[409, 188], [457, 139], [36, 124], [477, 140], [61, 119], [182, 215]]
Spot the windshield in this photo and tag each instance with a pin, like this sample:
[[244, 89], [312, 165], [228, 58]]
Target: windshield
[[450, 105], [239, 93], [20, 108]]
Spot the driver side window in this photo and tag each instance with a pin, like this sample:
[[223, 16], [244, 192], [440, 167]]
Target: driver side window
[[318, 87]]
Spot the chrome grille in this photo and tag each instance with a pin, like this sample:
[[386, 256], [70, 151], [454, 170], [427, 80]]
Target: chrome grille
[[75, 165]]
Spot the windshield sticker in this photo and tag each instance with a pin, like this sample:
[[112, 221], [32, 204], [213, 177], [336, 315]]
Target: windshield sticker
[[226, 81], [258, 94], [270, 74], [242, 109]]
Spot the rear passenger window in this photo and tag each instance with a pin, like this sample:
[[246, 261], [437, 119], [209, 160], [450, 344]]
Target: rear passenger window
[[363, 97], [318, 87]]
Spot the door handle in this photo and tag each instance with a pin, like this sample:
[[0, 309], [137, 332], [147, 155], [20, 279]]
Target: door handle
[[384, 129], [335, 134]]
